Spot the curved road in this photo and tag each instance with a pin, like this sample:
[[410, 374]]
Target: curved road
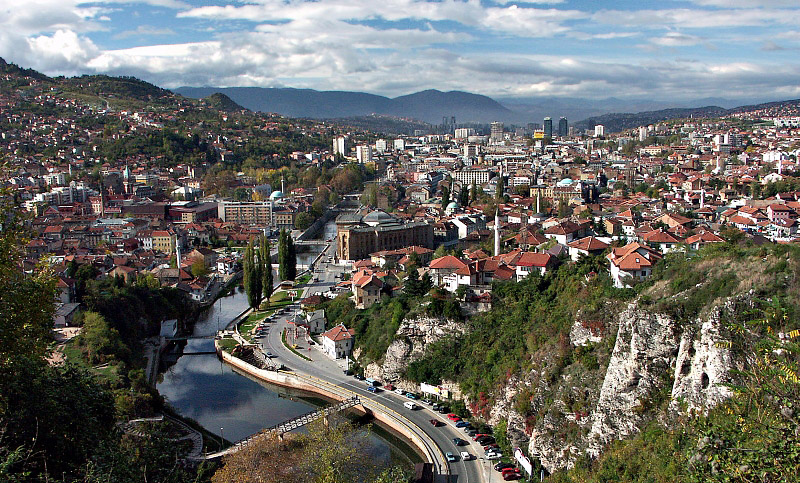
[[325, 370]]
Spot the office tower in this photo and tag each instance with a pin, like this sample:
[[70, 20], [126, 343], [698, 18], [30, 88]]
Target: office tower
[[562, 127], [496, 132], [380, 146], [599, 131], [548, 127]]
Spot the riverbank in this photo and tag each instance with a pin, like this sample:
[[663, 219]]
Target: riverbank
[[385, 417]]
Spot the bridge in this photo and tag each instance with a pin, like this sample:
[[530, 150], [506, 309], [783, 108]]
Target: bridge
[[287, 426]]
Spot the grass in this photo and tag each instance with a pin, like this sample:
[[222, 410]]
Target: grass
[[283, 339], [302, 280], [74, 354], [227, 344]]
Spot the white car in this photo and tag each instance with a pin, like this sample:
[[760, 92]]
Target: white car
[[466, 456], [494, 456]]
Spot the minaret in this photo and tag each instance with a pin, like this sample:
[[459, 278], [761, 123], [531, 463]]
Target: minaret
[[702, 198], [496, 233], [178, 253], [538, 199], [283, 186]]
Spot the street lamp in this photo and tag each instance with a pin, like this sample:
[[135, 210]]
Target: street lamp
[[222, 438]]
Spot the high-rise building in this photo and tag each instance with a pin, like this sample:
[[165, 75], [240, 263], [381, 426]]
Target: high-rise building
[[399, 145], [380, 146], [464, 132], [642, 133], [548, 127], [563, 127], [599, 131], [340, 145], [364, 153], [496, 132]]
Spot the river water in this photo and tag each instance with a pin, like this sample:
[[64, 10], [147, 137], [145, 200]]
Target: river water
[[232, 405]]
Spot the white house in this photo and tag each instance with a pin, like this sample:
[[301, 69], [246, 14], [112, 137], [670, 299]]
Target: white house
[[316, 321], [632, 262], [338, 342]]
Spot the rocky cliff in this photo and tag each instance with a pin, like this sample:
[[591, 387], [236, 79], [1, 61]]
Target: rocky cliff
[[657, 362], [408, 345]]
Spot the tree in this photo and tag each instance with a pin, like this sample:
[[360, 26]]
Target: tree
[[473, 196], [500, 189], [102, 342], [445, 196], [411, 285], [252, 276], [199, 268], [304, 220], [287, 256], [265, 258], [463, 197]]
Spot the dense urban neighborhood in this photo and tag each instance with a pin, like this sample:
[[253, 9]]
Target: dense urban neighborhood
[[557, 291]]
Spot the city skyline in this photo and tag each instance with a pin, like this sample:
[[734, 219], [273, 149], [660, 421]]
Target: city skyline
[[676, 50]]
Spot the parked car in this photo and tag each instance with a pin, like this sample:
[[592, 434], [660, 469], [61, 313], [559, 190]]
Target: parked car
[[505, 471], [411, 395], [502, 466], [494, 456], [435, 407], [399, 391], [511, 476], [348, 372], [436, 423], [463, 424], [452, 417], [486, 441], [459, 442], [442, 410], [388, 387], [450, 457], [478, 436], [359, 377], [471, 432]]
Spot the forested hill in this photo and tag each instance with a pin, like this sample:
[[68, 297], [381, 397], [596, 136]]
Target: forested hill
[[616, 122]]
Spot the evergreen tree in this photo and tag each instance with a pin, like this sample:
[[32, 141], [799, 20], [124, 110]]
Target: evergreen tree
[[292, 257], [474, 193], [445, 196], [283, 256], [266, 267], [252, 276], [500, 190], [463, 197], [412, 286]]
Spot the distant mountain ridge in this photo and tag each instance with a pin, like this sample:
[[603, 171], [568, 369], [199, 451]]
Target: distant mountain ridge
[[428, 106]]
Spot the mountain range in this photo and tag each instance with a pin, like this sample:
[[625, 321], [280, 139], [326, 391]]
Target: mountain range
[[432, 106], [428, 106]]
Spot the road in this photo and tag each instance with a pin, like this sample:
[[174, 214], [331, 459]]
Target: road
[[322, 367]]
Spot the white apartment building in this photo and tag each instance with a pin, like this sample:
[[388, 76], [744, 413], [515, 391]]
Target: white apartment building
[[472, 176], [364, 153]]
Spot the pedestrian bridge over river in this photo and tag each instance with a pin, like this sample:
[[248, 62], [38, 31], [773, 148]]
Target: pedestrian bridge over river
[[287, 426]]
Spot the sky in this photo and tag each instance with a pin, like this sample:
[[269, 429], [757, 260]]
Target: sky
[[639, 49]]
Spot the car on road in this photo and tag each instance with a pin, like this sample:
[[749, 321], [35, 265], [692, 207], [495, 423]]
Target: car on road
[[502, 466], [372, 389], [270, 355], [450, 457], [436, 423], [459, 442], [410, 405], [466, 456]]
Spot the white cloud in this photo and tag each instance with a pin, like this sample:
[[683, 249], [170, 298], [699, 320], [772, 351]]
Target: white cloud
[[675, 39], [701, 19], [144, 31]]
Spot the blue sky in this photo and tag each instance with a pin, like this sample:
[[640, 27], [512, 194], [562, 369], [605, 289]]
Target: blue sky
[[669, 50]]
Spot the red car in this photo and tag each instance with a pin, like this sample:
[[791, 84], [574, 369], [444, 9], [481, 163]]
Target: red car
[[509, 470], [478, 436], [511, 476], [453, 417], [388, 387], [436, 423]]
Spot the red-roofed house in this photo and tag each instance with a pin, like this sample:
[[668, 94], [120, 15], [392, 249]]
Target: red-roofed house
[[663, 241], [529, 262], [444, 266], [338, 342], [585, 247], [366, 289], [633, 261]]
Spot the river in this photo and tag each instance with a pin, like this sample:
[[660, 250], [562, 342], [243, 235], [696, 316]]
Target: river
[[234, 406]]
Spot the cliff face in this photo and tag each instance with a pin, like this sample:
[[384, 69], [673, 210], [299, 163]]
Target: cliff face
[[409, 344], [602, 384]]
